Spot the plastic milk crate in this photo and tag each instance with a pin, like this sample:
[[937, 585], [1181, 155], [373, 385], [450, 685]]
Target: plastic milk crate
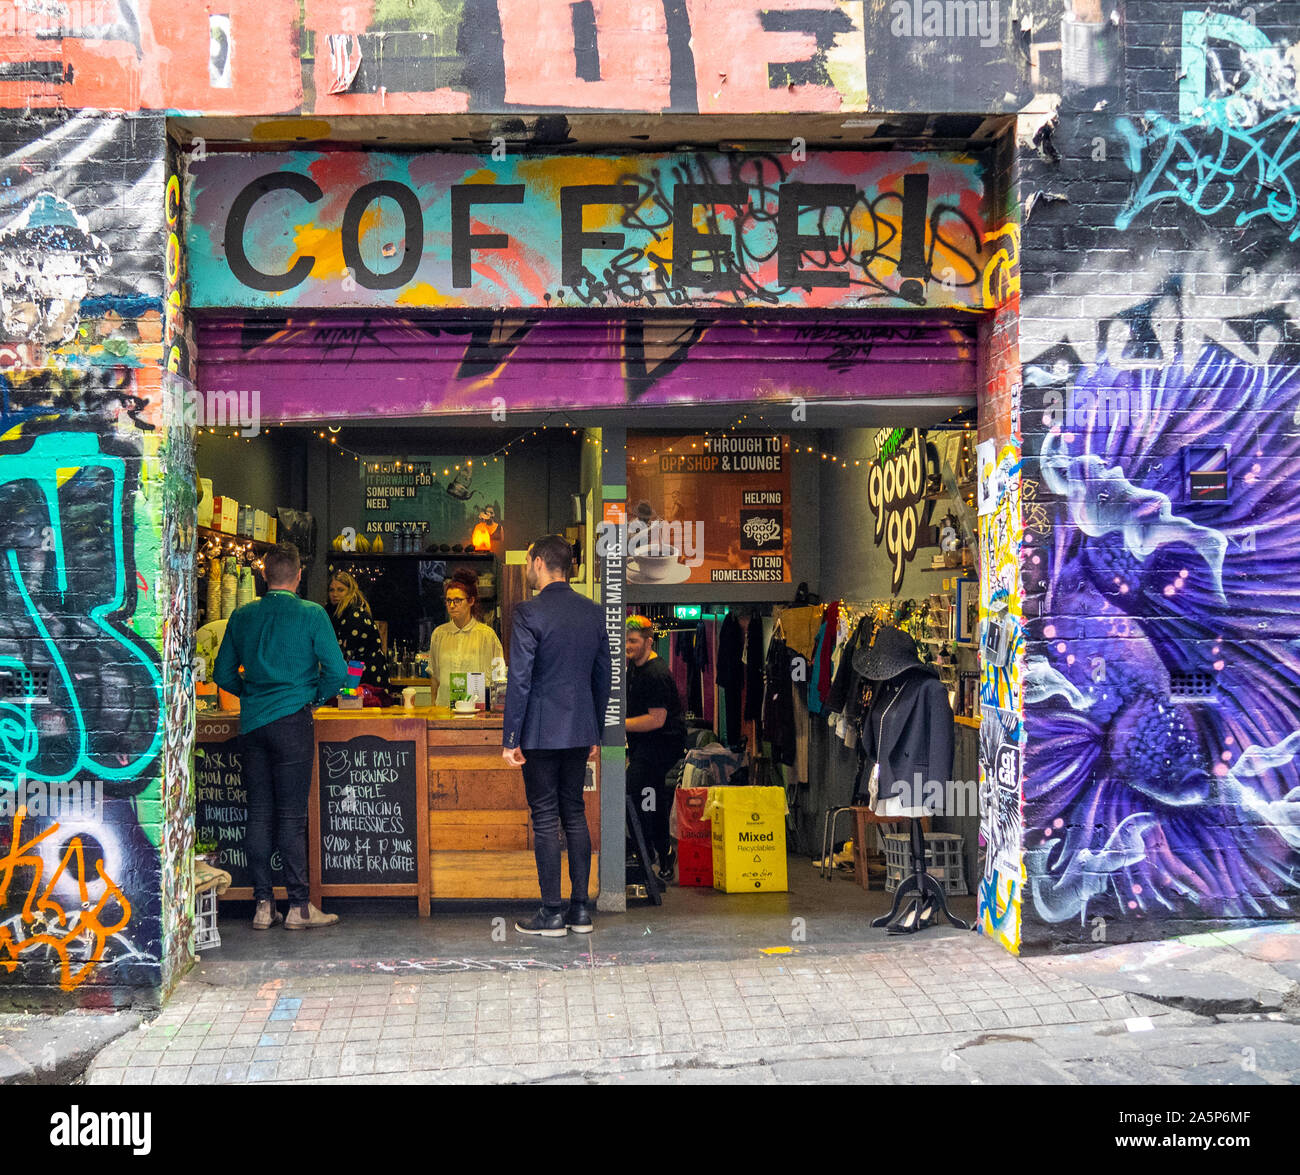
[[946, 860], [206, 934]]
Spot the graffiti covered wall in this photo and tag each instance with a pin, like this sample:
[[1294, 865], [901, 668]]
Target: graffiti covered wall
[[82, 808], [325, 58], [179, 490], [1132, 254], [1001, 638], [1162, 428]]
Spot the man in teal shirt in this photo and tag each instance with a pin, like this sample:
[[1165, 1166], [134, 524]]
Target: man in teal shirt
[[280, 658]]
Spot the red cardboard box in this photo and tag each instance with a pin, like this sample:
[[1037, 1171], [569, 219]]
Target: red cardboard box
[[694, 837]]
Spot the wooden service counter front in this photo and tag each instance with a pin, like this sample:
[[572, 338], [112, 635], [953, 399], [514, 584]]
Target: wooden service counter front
[[404, 803]]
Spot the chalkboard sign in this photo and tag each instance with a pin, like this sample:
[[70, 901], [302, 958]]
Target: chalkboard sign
[[370, 813], [221, 803]]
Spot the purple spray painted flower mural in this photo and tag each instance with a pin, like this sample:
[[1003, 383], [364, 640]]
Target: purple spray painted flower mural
[[1163, 677]]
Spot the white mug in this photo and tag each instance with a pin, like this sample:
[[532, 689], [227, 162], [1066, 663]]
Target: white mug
[[408, 697]]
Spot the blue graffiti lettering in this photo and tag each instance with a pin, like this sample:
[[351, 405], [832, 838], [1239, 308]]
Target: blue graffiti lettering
[[1208, 164]]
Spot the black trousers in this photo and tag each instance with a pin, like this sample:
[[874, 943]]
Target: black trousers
[[553, 782], [277, 774], [652, 797]]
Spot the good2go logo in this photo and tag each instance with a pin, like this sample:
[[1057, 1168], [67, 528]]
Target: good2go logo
[[895, 493]]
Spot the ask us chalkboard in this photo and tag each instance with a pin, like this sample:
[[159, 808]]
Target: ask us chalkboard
[[369, 815]]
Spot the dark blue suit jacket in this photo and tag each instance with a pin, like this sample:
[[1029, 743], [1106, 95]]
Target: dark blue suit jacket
[[559, 675]]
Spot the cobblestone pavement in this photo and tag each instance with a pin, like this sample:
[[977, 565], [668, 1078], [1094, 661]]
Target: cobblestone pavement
[[943, 1010]]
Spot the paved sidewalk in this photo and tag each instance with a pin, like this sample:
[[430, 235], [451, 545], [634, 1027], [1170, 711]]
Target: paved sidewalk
[[912, 998], [55, 1050], [1220, 972]]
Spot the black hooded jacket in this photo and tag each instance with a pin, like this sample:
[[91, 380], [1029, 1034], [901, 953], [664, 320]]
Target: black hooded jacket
[[909, 731]]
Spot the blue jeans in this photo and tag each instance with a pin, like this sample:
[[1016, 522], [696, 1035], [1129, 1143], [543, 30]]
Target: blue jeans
[[553, 782], [277, 775]]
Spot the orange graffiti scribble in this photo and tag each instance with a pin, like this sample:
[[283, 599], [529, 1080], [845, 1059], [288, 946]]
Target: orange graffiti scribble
[[88, 921]]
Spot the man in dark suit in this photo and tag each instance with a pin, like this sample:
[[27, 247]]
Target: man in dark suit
[[559, 685]]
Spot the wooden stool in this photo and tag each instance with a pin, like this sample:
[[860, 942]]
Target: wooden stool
[[862, 818]]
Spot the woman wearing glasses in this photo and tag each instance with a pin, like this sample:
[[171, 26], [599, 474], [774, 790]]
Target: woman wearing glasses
[[464, 644]]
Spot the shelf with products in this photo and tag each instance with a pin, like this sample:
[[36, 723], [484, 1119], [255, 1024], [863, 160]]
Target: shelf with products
[[237, 563], [445, 556], [259, 545]]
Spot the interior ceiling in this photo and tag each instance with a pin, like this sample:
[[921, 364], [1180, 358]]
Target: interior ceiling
[[552, 133]]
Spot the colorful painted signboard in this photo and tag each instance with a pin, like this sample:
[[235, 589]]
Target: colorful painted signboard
[[439, 231]]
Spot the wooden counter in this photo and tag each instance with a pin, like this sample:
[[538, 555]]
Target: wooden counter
[[477, 839], [480, 834]]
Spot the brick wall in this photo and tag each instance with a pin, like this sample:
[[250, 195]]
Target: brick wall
[[1158, 341], [83, 603]]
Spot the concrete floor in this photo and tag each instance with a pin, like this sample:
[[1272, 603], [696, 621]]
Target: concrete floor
[[692, 924]]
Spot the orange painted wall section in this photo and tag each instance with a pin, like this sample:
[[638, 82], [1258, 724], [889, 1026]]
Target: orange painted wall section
[[269, 57], [158, 62]]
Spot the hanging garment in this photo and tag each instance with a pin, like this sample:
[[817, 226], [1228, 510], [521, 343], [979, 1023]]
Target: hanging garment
[[814, 702], [824, 668], [800, 626], [680, 664], [731, 676], [838, 698], [778, 702], [708, 692], [802, 730], [698, 647], [754, 674], [821, 667]]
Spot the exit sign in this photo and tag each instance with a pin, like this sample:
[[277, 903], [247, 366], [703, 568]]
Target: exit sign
[[686, 611]]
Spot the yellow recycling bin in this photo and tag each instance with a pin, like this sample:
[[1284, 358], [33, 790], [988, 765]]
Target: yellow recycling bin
[[748, 838]]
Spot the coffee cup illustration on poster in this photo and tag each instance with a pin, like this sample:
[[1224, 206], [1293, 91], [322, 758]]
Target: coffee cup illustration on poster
[[710, 508]]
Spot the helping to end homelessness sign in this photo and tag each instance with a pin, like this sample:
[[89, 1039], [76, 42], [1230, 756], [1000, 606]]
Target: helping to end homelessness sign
[[710, 509]]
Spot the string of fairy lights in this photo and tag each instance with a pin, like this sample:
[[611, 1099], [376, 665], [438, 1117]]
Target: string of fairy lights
[[330, 435], [957, 421]]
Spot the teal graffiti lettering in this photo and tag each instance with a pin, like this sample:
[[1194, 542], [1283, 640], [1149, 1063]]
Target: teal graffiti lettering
[[19, 732]]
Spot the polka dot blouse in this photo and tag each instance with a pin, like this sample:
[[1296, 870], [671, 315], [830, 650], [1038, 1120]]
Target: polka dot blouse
[[358, 638]]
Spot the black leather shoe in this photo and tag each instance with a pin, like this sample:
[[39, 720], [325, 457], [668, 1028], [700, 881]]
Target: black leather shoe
[[547, 925], [667, 866], [908, 920], [578, 919]]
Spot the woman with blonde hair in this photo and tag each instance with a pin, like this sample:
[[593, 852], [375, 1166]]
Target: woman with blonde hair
[[355, 629]]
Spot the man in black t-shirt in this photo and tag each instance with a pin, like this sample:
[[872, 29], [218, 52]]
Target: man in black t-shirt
[[656, 737]]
